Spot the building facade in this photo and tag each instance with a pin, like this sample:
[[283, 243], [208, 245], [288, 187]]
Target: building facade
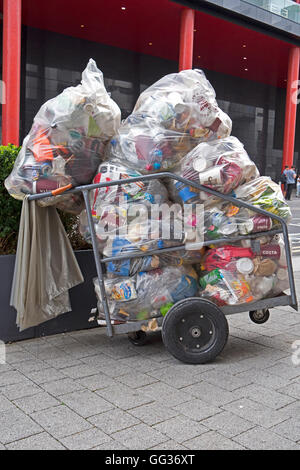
[[249, 50]]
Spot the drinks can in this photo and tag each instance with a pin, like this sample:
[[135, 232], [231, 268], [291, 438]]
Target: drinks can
[[187, 195], [43, 185], [261, 223], [246, 227]]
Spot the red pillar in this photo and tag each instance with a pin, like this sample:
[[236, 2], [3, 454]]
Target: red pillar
[[11, 74], [291, 107], [186, 39]]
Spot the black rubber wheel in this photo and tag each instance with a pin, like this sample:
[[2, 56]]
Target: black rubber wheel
[[195, 330], [259, 316], [138, 338]]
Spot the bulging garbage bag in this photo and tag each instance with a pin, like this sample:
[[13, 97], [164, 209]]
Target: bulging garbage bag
[[66, 142], [169, 119]]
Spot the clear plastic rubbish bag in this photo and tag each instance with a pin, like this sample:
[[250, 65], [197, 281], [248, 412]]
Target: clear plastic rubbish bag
[[221, 165], [234, 274], [66, 142], [169, 119], [265, 194], [147, 294]]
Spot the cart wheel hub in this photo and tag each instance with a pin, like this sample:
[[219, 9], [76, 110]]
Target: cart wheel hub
[[195, 332], [260, 314]]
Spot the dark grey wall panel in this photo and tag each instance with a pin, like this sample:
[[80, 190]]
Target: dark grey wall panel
[[83, 299]]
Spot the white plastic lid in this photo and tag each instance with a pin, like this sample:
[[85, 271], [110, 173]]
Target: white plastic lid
[[245, 265]]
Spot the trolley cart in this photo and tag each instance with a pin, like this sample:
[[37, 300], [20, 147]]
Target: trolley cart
[[194, 330]]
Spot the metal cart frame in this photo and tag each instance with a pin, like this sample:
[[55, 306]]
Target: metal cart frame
[[135, 326]]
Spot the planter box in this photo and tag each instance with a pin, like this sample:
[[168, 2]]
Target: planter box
[[83, 299]]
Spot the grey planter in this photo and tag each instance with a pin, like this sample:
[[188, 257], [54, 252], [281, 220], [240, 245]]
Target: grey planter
[[83, 299]]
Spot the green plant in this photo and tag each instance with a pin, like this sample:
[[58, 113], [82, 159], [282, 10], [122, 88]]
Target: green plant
[[71, 224], [10, 208]]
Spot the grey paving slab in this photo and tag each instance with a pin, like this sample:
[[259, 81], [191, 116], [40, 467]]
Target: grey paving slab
[[136, 380], [78, 351], [62, 386], [228, 424], [27, 388], [161, 392], [42, 441], [96, 382], [60, 421], [11, 377], [79, 371], [32, 365], [14, 425], [61, 340], [197, 409], [47, 352], [17, 356], [124, 397], [174, 378], [141, 363], [106, 365], [293, 390], [86, 403], [44, 375], [181, 428], [153, 413], [111, 445], [85, 440], [169, 445], [116, 350], [267, 397], [113, 421], [291, 410], [260, 439], [140, 437], [40, 401], [5, 368], [212, 394], [262, 377], [256, 413], [5, 404], [63, 362], [289, 429], [212, 441], [225, 380]]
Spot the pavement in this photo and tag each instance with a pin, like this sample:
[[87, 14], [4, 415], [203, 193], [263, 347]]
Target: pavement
[[83, 390]]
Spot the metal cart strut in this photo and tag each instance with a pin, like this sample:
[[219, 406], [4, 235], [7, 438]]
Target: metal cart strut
[[189, 347]]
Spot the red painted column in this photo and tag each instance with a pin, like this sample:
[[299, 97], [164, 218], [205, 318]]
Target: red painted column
[[11, 72], [291, 107], [186, 39]]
